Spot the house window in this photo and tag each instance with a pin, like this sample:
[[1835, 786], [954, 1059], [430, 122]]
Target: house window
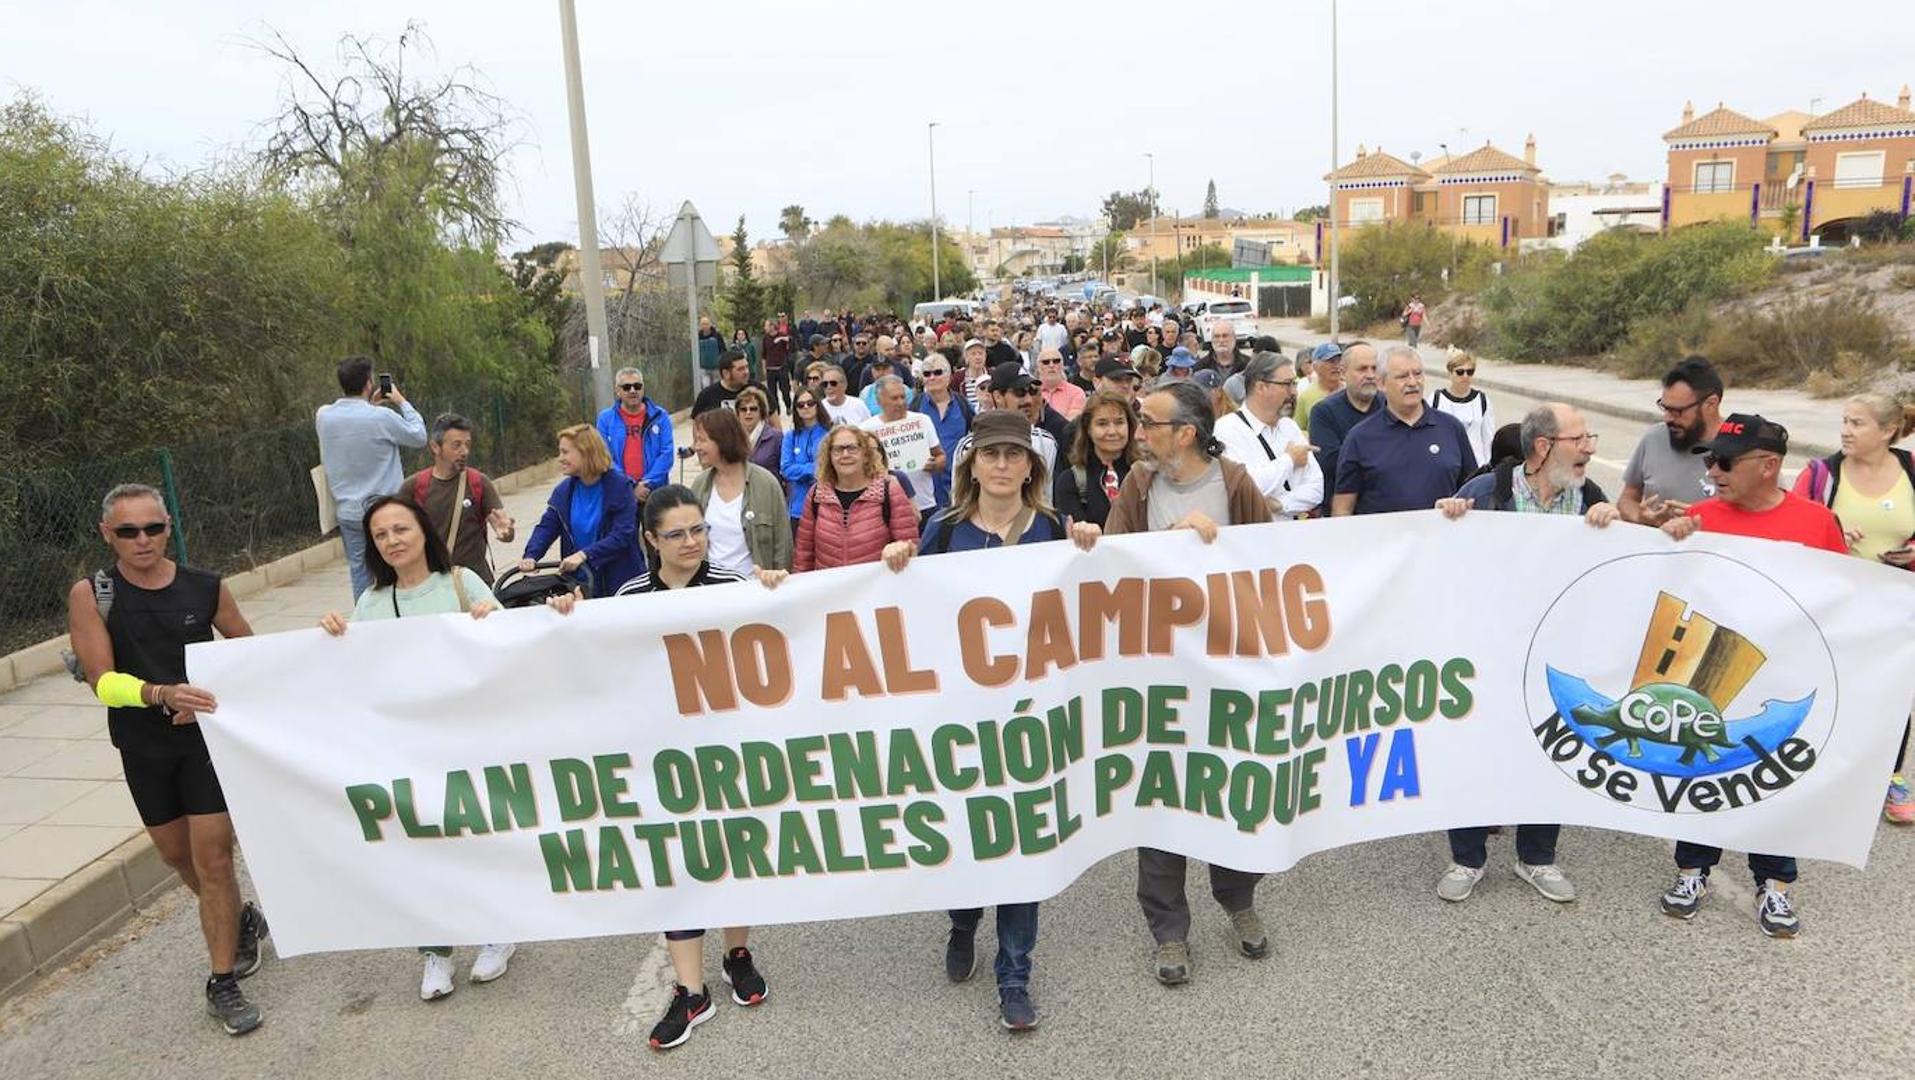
[[1859, 170], [1479, 209], [1362, 210], [1714, 176]]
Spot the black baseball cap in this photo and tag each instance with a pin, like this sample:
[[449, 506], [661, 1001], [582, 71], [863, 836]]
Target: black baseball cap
[[1115, 365], [1010, 375], [1743, 432], [1112, 334]]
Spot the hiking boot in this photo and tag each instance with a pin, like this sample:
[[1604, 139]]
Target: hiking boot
[[960, 954], [227, 1004], [1775, 914], [491, 962], [1173, 962], [747, 986], [1549, 880], [1899, 807], [1251, 940], [1456, 885], [1018, 1011], [436, 982], [252, 927], [1685, 896], [687, 1011]]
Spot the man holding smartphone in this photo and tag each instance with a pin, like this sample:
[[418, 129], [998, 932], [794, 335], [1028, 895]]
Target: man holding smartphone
[[359, 444]]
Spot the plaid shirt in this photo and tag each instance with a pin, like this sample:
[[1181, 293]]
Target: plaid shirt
[[1567, 501]]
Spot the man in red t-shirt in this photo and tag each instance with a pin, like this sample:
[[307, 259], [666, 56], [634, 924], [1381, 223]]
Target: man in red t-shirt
[[1745, 465]]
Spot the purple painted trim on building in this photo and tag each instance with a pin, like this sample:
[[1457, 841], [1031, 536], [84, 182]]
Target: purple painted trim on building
[[1505, 230], [1808, 208], [1908, 189], [1665, 207], [1755, 203]]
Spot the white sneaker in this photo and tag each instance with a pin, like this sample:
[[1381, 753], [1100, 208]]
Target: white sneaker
[[1456, 885], [1548, 880], [437, 981], [491, 962]]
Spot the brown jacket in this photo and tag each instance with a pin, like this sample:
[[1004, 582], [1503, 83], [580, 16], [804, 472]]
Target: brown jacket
[[1131, 512]]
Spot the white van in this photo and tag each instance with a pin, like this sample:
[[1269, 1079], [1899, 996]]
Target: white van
[[930, 313]]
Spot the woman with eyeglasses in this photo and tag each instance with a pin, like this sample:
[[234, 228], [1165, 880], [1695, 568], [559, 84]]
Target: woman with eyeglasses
[[998, 499], [1103, 446], [677, 546], [855, 508], [1468, 404], [594, 521], [1870, 485], [762, 433], [744, 504], [413, 574]]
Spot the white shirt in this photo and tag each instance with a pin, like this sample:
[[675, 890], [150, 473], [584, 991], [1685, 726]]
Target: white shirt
[[1294, 488], [726, 523], [1477, 417], [1052, 336], [852, 411]]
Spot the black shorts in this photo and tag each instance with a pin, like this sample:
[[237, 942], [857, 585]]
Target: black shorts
[[167, 788]]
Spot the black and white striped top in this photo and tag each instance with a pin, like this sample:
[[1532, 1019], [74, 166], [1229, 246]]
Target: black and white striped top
[[707, 575]]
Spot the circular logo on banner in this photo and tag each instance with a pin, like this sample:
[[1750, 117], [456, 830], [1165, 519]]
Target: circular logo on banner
[[1680, 683]]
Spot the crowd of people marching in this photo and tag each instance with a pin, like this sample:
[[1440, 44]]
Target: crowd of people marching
[[836, 439]]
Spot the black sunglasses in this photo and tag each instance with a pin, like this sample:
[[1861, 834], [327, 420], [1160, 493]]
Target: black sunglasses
[[834, 382], [630, 386], [1464, 371], [128, 532]]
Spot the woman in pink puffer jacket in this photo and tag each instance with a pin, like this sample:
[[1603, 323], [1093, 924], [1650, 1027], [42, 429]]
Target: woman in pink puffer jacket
[[855, 508]]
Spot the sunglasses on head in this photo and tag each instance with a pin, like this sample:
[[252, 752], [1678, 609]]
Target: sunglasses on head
[[128, 532], [631, 386]]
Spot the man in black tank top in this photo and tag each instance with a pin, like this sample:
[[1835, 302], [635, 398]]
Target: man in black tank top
[[135, 619]]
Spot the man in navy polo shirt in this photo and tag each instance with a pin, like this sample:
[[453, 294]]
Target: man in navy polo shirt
[[1335, 416], [1405, 457]]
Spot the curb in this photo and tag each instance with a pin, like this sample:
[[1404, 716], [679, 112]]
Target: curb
[[22, 666], [1640, 414], [87, 905]]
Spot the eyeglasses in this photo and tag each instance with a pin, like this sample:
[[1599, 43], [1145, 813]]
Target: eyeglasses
[[629, 387], [1464, 372], [1589, 437], [1280, 382], [1728, 462], [128, 532], [1677, 410], [689, 532], [833, 382], [932, 373], [805, 405], [1050, 363], [1147, 422], [850, 448]]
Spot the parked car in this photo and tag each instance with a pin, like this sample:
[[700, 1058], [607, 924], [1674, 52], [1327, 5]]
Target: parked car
[[1240, 313]]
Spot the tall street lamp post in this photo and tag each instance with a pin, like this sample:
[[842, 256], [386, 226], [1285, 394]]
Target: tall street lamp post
[[937, 283]]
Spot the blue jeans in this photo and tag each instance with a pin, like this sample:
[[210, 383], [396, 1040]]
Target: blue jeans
[[1702, 857], [1535, 845], [1016, 937], [353, 535]]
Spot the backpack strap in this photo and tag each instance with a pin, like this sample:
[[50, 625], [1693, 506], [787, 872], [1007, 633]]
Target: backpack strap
[[1505, 473], [1819, 487], [1592, 493], [420, 484], [103, 593], [458, 590], [943, 544]]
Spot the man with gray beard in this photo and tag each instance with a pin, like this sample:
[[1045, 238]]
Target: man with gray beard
[[1552, 478]]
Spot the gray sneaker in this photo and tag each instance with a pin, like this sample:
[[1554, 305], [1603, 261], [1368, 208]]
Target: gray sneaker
[[1548, 880], [1173, 963], [1251, 940], [1456, 885], [225, 1003]]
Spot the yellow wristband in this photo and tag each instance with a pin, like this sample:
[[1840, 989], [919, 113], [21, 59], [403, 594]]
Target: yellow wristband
[[120, 691]]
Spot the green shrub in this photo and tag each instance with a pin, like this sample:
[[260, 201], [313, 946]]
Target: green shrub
[[1381, 265], [1787, 344]]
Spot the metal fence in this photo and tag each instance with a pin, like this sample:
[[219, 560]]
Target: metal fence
[[237, 501]]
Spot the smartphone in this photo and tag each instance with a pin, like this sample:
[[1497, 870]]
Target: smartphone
[[385, 384]]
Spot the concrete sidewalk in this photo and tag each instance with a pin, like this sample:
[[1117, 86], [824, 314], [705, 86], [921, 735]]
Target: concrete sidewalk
[[74, 858], [1815, 424]]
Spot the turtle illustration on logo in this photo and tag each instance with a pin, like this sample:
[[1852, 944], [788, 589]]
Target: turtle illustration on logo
[[1673, 721]]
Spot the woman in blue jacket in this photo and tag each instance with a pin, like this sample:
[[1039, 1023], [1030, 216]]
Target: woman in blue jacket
[[591, 513], [799, 460]]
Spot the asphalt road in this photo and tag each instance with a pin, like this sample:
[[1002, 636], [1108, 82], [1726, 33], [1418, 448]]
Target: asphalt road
[[1371, 975]]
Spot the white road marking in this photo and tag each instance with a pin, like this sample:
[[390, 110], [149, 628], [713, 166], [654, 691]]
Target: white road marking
[[651, 991]]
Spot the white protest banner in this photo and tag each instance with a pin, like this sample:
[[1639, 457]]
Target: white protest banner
[[908, 442], [985, 726]]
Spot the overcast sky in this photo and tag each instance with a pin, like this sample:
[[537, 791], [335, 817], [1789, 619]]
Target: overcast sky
[[744, 106]]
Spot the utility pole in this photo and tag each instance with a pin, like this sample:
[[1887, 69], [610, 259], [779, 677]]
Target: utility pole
[[1151, 191], [937, 285], [1335, 290], [591, 270], [970, 212]]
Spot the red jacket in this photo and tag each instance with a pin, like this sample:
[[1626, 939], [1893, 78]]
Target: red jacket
[[829, 535]]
